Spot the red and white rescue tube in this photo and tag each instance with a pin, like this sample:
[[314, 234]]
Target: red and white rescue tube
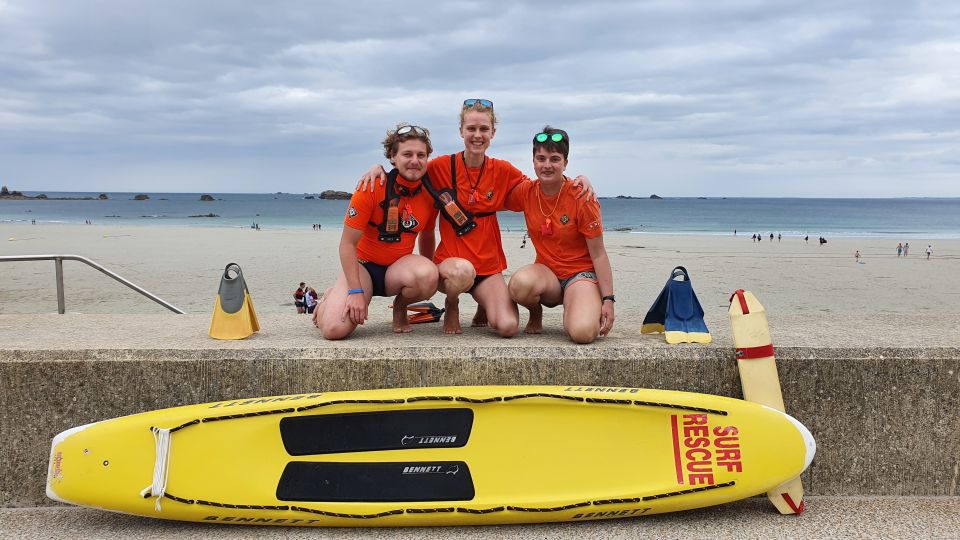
[[759, 379]]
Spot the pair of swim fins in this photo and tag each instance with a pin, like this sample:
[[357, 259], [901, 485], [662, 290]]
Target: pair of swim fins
[[424, 312], [233, 313], [677, 312]]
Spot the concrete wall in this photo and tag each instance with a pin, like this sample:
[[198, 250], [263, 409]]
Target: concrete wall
[[886, 419]]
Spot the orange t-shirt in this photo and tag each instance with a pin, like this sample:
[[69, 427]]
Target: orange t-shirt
[[481, 246], [573, 220], [365, 208]]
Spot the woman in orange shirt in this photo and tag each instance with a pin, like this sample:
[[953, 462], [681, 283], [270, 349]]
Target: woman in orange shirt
[[470, 256], [572, 266], [376, 247]]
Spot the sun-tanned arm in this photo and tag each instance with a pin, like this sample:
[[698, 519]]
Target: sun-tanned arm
[[601, 265], [356, 306], [427, 243]]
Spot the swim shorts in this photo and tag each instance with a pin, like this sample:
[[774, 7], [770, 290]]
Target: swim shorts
[[592, 276], [378, 276]]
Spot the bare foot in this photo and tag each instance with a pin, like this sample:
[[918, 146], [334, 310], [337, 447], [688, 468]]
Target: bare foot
[[479, 318], [401, 323], [535, 322], [451, 317]]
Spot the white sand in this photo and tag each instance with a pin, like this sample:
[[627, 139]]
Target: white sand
[[183, 266]]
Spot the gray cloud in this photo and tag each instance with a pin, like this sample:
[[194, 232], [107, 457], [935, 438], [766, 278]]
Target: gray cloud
[[676, 97]]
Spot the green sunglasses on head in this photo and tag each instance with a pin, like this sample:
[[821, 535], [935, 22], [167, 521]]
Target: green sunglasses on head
[[475, 101], [542, 137]]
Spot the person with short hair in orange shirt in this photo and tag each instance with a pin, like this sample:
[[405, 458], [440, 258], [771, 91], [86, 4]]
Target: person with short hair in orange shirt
[[470, 256], [376, 247], [572, 266]]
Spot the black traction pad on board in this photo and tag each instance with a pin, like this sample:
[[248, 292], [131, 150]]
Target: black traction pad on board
[[407, 481], [383, 430]]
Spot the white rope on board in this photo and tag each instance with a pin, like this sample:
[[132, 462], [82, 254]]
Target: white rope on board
[[161, 467]]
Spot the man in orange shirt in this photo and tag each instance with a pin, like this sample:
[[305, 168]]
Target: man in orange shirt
[[572, 266], [376, 247]]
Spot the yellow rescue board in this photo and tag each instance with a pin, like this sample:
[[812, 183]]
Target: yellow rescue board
[[431, 456]]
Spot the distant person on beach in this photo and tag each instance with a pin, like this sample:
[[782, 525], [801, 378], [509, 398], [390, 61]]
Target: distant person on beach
[[298, 298], [771, 237], [309, 299], [572, 266], [929, 251], [472, 187], [806, 238], [906, 249], [822, 241], [376, 246], [779, 237], [523, 244], [856, 256], [899, 250]]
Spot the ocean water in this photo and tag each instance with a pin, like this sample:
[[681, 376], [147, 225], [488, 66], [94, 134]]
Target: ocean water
[[901, 218]]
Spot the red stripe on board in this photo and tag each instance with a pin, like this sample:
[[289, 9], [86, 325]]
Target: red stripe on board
[[743, 301], [676, 448], [796, 509], [752, 353]]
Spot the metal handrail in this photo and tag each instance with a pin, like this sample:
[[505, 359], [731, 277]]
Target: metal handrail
[[58, 261]]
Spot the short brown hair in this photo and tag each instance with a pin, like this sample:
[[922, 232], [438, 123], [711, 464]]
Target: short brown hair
[[393, 140], [562, 146]]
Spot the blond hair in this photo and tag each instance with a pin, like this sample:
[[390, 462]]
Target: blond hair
[[477, 107]]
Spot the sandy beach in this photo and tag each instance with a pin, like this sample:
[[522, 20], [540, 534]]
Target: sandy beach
[[183, 266]]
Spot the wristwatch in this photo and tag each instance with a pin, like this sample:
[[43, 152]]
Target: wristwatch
[[609, 297]]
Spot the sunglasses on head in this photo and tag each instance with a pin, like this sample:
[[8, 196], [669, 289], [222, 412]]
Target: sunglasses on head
[[542, 137], [474, 101], [416, 130]]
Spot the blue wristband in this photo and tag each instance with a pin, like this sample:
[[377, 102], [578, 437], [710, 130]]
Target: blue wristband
[[355, 291]]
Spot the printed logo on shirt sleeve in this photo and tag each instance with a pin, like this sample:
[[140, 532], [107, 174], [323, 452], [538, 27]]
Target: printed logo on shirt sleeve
[[352, 212]]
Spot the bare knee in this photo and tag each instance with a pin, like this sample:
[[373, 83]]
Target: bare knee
[[507, 330], [583, 333], [334, 330], [520, 288], [458, 276], [507, 326], [335, 333], [426, 277]]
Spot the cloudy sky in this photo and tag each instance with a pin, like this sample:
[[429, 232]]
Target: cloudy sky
[[799, 98]]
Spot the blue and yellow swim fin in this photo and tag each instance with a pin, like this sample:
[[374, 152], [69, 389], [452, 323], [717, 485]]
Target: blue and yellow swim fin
[[233, 314], [676, 312]]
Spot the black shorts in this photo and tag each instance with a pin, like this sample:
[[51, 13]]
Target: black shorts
[[478, 280], [378, 275]]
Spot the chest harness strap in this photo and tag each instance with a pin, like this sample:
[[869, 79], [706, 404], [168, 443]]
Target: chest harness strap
[[392, 226]]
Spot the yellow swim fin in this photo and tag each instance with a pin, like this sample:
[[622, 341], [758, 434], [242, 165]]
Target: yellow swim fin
[[233, 313]]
